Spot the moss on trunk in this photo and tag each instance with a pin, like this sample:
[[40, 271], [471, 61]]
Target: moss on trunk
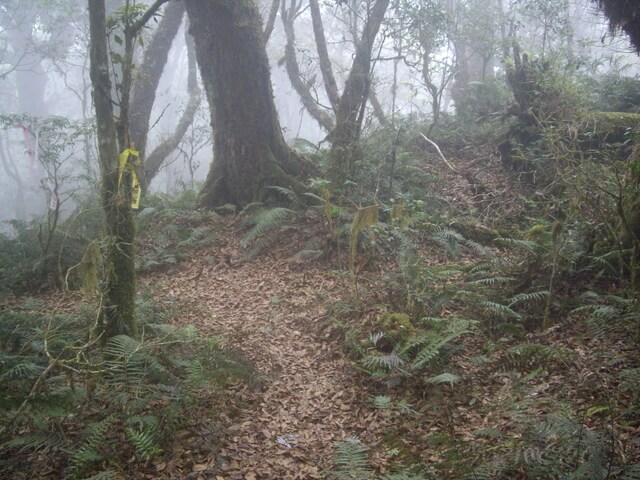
[[120, 289], [249, 150]]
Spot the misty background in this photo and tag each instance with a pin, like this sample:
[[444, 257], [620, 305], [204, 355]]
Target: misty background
[[47, 144]]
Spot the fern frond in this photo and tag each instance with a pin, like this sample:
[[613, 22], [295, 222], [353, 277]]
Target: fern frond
[[198, 237], [106, 475], [479, 249], [22, 371], [493, 280], [143, 441], [501, 310], [319, 199], [449, 378], [307, 253], [531, 297], [405, 476], [429, 344], [286, 192], [382, 401], [560, 447], [351, 460], [88, 454], [531, 356], [449, 235], [449, 239], [526, 245], [374, 338], [264, 221], [83, 459], [32, 442], [383, 362], [121, 346]]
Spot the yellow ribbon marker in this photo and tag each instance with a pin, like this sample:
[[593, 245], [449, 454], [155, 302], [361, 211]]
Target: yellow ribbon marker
[[125, 164]]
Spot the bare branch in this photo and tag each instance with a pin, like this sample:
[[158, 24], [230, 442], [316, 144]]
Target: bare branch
[[453, 169]]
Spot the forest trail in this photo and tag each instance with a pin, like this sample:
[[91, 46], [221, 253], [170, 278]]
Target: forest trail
[[308, 396]]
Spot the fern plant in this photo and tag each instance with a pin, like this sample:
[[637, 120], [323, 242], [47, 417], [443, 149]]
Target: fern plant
[[78, 401], [144, 442], [169, 228], [610, 313], [531, 356], [91, 452], [425, 348], [351, 460], [420, 349]]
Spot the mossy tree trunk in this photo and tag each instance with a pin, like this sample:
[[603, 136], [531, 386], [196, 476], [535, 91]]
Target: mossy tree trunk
[[249, 149], [119, 312]]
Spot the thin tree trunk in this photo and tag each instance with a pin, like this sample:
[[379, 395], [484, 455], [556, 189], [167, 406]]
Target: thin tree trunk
[[145, 84], [330, 84], [293, 71], [344, 150], [249, 150], [378, 111], [271, 20], [119, 312], [156, 158], [13, 173]]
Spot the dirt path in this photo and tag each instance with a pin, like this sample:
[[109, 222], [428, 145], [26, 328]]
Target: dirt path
[[310, 397]]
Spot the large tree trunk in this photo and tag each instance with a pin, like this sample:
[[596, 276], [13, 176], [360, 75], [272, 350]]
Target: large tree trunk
[[249, 150], [119, 311]]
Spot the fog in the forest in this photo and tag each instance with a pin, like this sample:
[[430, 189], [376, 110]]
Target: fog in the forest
[[47, 143]]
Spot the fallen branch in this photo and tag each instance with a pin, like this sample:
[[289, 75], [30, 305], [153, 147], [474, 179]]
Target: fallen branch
[[453, 169]]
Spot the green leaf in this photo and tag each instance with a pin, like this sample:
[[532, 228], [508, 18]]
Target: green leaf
[[450, 378]]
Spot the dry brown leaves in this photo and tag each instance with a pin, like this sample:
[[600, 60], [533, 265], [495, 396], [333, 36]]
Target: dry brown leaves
[[310, 396]]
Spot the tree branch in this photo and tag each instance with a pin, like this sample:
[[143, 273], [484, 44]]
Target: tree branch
[[271, 20], [325, 63], [293, 71], [142, 21]]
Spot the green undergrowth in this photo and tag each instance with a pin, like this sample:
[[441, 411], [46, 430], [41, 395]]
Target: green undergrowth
[[490, 333], [76, 406], [171, 227], [168, 229]]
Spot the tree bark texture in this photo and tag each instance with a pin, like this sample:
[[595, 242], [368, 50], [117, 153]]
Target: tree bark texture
[[249, 150], [119, 312], [344, 150]]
